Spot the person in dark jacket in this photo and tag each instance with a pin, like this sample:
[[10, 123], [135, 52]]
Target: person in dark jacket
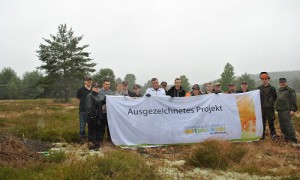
[[286, 106], [244, 87], [176, 90], [136, 91], [81, 96], [94, 117], [268, 97]]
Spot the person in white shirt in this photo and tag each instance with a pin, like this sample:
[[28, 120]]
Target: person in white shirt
[[155, 90]]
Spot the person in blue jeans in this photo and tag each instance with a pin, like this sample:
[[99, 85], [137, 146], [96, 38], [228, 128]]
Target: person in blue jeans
[[81, 96]]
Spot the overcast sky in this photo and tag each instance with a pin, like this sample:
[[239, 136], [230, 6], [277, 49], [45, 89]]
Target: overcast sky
[[159, 38]]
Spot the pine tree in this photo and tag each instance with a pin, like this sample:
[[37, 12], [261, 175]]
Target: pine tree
[[227, 76], [64, 61]]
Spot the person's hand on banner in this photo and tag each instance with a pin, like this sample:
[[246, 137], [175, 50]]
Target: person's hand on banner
[[148, 95]]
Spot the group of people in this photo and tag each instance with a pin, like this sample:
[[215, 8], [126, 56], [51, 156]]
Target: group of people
[[92, 106]]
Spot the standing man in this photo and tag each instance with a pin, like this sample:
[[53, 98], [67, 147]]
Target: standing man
[[164, 85], [155, 90], [125, 89], [176, 90], [231, 89], [217, 88], [286, 106], [244, 87], [209, 88], [105, 90], [81, 96], [136, 91], [268, 97], [195, 91]]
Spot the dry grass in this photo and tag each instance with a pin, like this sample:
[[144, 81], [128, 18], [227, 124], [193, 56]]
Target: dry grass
[[48, 121]]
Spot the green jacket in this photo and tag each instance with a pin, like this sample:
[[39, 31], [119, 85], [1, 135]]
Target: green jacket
[[286, 99], [268, 96]]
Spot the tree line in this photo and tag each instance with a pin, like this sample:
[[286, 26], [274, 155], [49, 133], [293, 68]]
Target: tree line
[[65, 63]]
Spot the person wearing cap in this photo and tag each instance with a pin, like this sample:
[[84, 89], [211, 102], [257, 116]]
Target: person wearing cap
[[105, 90], [136, 91], [244, 87], [231, 89], [155, 90], [176, 90], [125, 89], [94, 116], [209, 88], [81, 96], [217, 88], [268, 97], [286, 106], [195, 91], [164, 85]]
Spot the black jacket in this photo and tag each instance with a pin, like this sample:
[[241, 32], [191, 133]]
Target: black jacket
[[268, 96], [93, 106], [176, 93]]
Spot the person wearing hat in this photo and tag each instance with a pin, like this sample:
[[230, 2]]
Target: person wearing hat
[[217, 88], [195, 91], [125, 89], [268, 97], [136, 91], [244, 87], [176, 90], [231, 89], [94, 117], [286, 106], [81, 96], [164, 85]]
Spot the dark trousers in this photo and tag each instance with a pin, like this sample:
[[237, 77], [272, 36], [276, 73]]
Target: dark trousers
[[268, 114], [94, 130], [104, 126], [287, 126]]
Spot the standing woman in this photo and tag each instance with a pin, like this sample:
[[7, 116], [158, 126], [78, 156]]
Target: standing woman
[[94, 117]]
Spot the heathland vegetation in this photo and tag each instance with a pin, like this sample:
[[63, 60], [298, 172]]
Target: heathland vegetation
[[42, 121]]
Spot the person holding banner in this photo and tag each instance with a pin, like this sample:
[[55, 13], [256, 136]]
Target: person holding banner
[[244, 87], [195, 91], [176, 90], [217, 88], [155, 90], [268, 97], [209, 88], [231, 89], [286, 106], [119, 90], [94, 117], [105, 90], [136, 91]]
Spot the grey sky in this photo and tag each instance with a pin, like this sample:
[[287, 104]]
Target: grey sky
[[159, 38]]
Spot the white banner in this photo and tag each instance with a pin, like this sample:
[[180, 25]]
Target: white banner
[[165, 120]]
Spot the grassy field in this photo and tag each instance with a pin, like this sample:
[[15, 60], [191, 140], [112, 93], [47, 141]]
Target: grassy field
[[47, 121]]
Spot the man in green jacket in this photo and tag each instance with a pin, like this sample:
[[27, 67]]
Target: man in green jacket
[[268, 97], [286, 106]]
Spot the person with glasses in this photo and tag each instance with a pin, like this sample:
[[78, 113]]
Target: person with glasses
[[268, 97]]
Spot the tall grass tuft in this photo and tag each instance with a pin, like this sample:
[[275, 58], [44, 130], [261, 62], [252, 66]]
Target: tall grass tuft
[[216, 154]]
